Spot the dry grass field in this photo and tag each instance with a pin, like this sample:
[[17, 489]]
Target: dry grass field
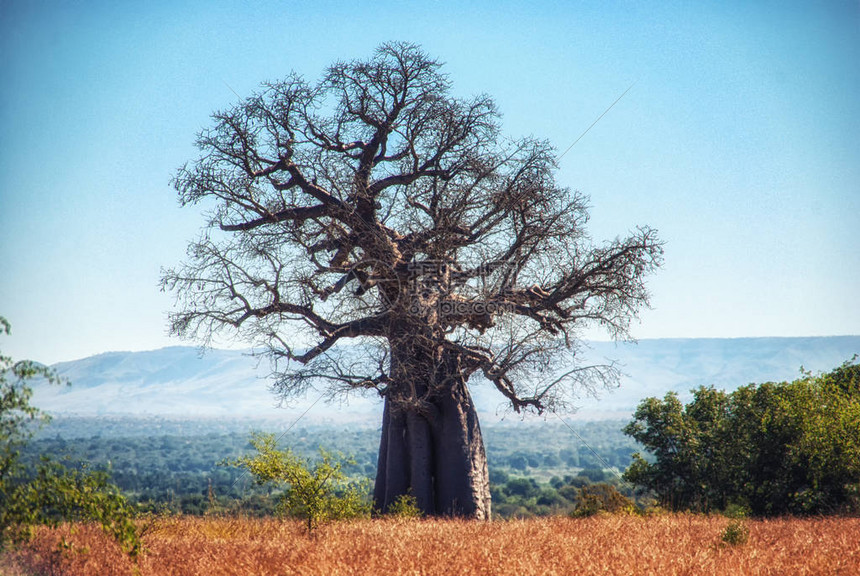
[[664, 545]]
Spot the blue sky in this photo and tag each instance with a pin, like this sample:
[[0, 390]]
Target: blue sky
[[740, 142]]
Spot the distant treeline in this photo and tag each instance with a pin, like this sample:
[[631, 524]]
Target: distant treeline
[[180, 470]]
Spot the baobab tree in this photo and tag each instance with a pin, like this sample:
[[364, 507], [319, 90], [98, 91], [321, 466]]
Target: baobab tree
[[371, 232]]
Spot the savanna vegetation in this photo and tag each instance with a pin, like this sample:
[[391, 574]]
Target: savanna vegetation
[[48, 492], [671, 544], [175, 465], [774, 448], [203, 498]]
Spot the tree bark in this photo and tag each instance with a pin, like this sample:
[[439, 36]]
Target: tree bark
[[433, 450]]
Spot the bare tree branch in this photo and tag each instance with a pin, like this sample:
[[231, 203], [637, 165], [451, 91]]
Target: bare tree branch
[[373, 206]]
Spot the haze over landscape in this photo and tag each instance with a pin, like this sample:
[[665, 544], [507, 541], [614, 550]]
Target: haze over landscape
[[179, 382]]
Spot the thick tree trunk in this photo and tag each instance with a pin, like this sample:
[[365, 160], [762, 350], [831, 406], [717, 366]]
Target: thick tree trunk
[[434, 451]]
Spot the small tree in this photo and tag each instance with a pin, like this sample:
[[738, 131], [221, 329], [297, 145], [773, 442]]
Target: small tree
[[50, 493], [316, 493], [16, 413]]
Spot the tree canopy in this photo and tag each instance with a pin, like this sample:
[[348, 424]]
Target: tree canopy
[[776, 448], [372, 196]]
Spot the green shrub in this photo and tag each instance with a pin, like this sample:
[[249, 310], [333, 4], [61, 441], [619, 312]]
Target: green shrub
[[736, 511], [50, 493], [317, 493], [781, 448], [736, 533], [405, 506], [596, 498]]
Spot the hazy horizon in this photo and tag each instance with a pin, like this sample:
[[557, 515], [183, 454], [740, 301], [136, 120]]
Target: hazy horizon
[[177, 380], [250, 350]]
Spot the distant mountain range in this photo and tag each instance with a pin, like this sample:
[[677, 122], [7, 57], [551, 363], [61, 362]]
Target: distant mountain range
[[179, 381]]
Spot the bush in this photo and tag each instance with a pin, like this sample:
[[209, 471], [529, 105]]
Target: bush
[[405, 506], [518, 461], [50, 492], [594, 474], [59, 493], [317, 493], [596, 498], [736, 533], [498, 476], [569, 492], [782, 448], [524, 487], [549, 497]]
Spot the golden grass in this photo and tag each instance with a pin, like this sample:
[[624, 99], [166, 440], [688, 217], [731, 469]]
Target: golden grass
[[670, 544]]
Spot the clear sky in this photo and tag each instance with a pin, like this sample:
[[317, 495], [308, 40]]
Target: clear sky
[[740, 142]]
